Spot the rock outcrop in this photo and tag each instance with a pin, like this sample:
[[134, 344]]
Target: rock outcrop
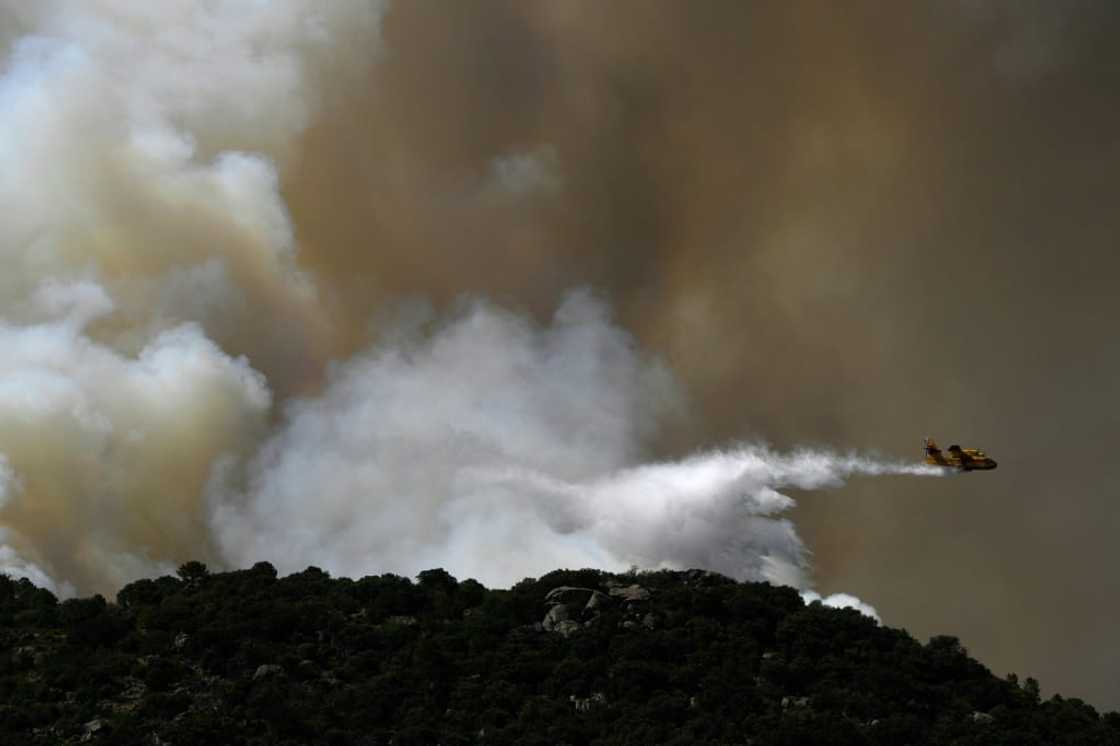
[[630, 594], [558, 620], [266, 670], [574, 607]]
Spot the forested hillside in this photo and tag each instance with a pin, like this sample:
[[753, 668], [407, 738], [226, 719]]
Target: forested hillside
[[575, 657]]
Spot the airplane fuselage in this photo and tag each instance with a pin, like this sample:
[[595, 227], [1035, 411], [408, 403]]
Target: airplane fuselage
[[955, 457], [967, 464]]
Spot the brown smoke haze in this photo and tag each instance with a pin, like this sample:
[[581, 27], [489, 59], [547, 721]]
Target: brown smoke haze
[[260, 268]]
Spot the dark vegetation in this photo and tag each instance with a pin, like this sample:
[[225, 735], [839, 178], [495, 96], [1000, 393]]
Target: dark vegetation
[[650, 658]]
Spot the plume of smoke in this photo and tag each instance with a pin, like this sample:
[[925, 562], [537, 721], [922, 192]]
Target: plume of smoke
[[163, 205], [143, 144], [104, 457], [13, 565], [382, 469], [158, 246], [500, 449], [141, 154]]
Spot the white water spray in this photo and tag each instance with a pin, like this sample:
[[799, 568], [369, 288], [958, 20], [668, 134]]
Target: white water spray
[[499, 449]]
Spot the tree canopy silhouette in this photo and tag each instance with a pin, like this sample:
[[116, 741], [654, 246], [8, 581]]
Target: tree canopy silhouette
[[574, 657]]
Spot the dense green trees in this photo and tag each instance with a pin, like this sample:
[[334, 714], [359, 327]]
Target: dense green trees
[[666, 657]]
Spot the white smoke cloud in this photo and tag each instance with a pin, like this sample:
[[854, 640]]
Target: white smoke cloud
[[841, 601], [105, 456], [142, 141], [13, 565], [498, 449], [142, 147], [382, 470]]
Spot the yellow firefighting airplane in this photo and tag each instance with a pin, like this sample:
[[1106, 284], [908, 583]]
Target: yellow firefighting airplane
[[964, 459]]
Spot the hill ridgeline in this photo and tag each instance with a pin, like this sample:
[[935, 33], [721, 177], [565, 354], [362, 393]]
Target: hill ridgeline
[[574, 657]]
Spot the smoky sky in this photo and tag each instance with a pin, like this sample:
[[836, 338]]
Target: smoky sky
[[854, 225], [815, 225]]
